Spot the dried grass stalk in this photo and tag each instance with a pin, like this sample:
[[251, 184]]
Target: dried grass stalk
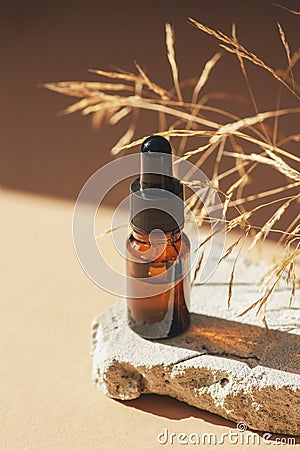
[[287, 51], [263, 233], [297, 13], [170, 41], [240, 51], [152, 86], [204, 76], [276, 162], [125, 95]]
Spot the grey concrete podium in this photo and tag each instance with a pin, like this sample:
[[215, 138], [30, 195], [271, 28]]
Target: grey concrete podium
[[226, 364]]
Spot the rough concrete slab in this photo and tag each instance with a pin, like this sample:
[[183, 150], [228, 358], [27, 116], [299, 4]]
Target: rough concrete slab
[[223, 363]]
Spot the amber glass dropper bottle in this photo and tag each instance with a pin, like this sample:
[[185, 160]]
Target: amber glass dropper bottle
[[158, 251]]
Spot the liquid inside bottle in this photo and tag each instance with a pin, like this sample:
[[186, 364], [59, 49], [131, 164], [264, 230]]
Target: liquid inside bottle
[[164, 314]]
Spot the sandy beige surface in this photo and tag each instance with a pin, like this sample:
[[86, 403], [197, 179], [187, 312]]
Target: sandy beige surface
[[48, 400]]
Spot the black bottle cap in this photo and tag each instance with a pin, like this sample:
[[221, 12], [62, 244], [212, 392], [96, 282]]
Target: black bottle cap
[[156, 196]]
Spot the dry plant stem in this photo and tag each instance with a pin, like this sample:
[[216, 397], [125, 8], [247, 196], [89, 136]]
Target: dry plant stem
[[287, 51], [162, 121], [276, 162], [230, 249], [217, 163], [292, 62], [263, 233], [92, 105], [129, 134], [135, 79], [125, 95], [230, 284], [199, 85], [236, 168], [270, 334], [170, 41], [231, 129], [293, 137], [244, 179], [274, 230], [296, 220], [198, 267], [287, 9], [241, 51], [265, 194], [152, 86], [244, 72]]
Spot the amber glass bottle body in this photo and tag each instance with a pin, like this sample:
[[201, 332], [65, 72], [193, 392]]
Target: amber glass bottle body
[[158, 306]]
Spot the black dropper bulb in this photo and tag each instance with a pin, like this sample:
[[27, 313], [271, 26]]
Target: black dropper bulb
[[156, 144], [156, 163]]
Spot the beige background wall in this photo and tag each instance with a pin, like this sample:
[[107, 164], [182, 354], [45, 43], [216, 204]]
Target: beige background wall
[[47, 399], [60, 40]]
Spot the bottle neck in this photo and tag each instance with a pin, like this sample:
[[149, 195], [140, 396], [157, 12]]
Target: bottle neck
[[169, 238]]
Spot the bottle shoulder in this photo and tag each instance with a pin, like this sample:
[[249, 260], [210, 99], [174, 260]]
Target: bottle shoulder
[[169, 250]]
